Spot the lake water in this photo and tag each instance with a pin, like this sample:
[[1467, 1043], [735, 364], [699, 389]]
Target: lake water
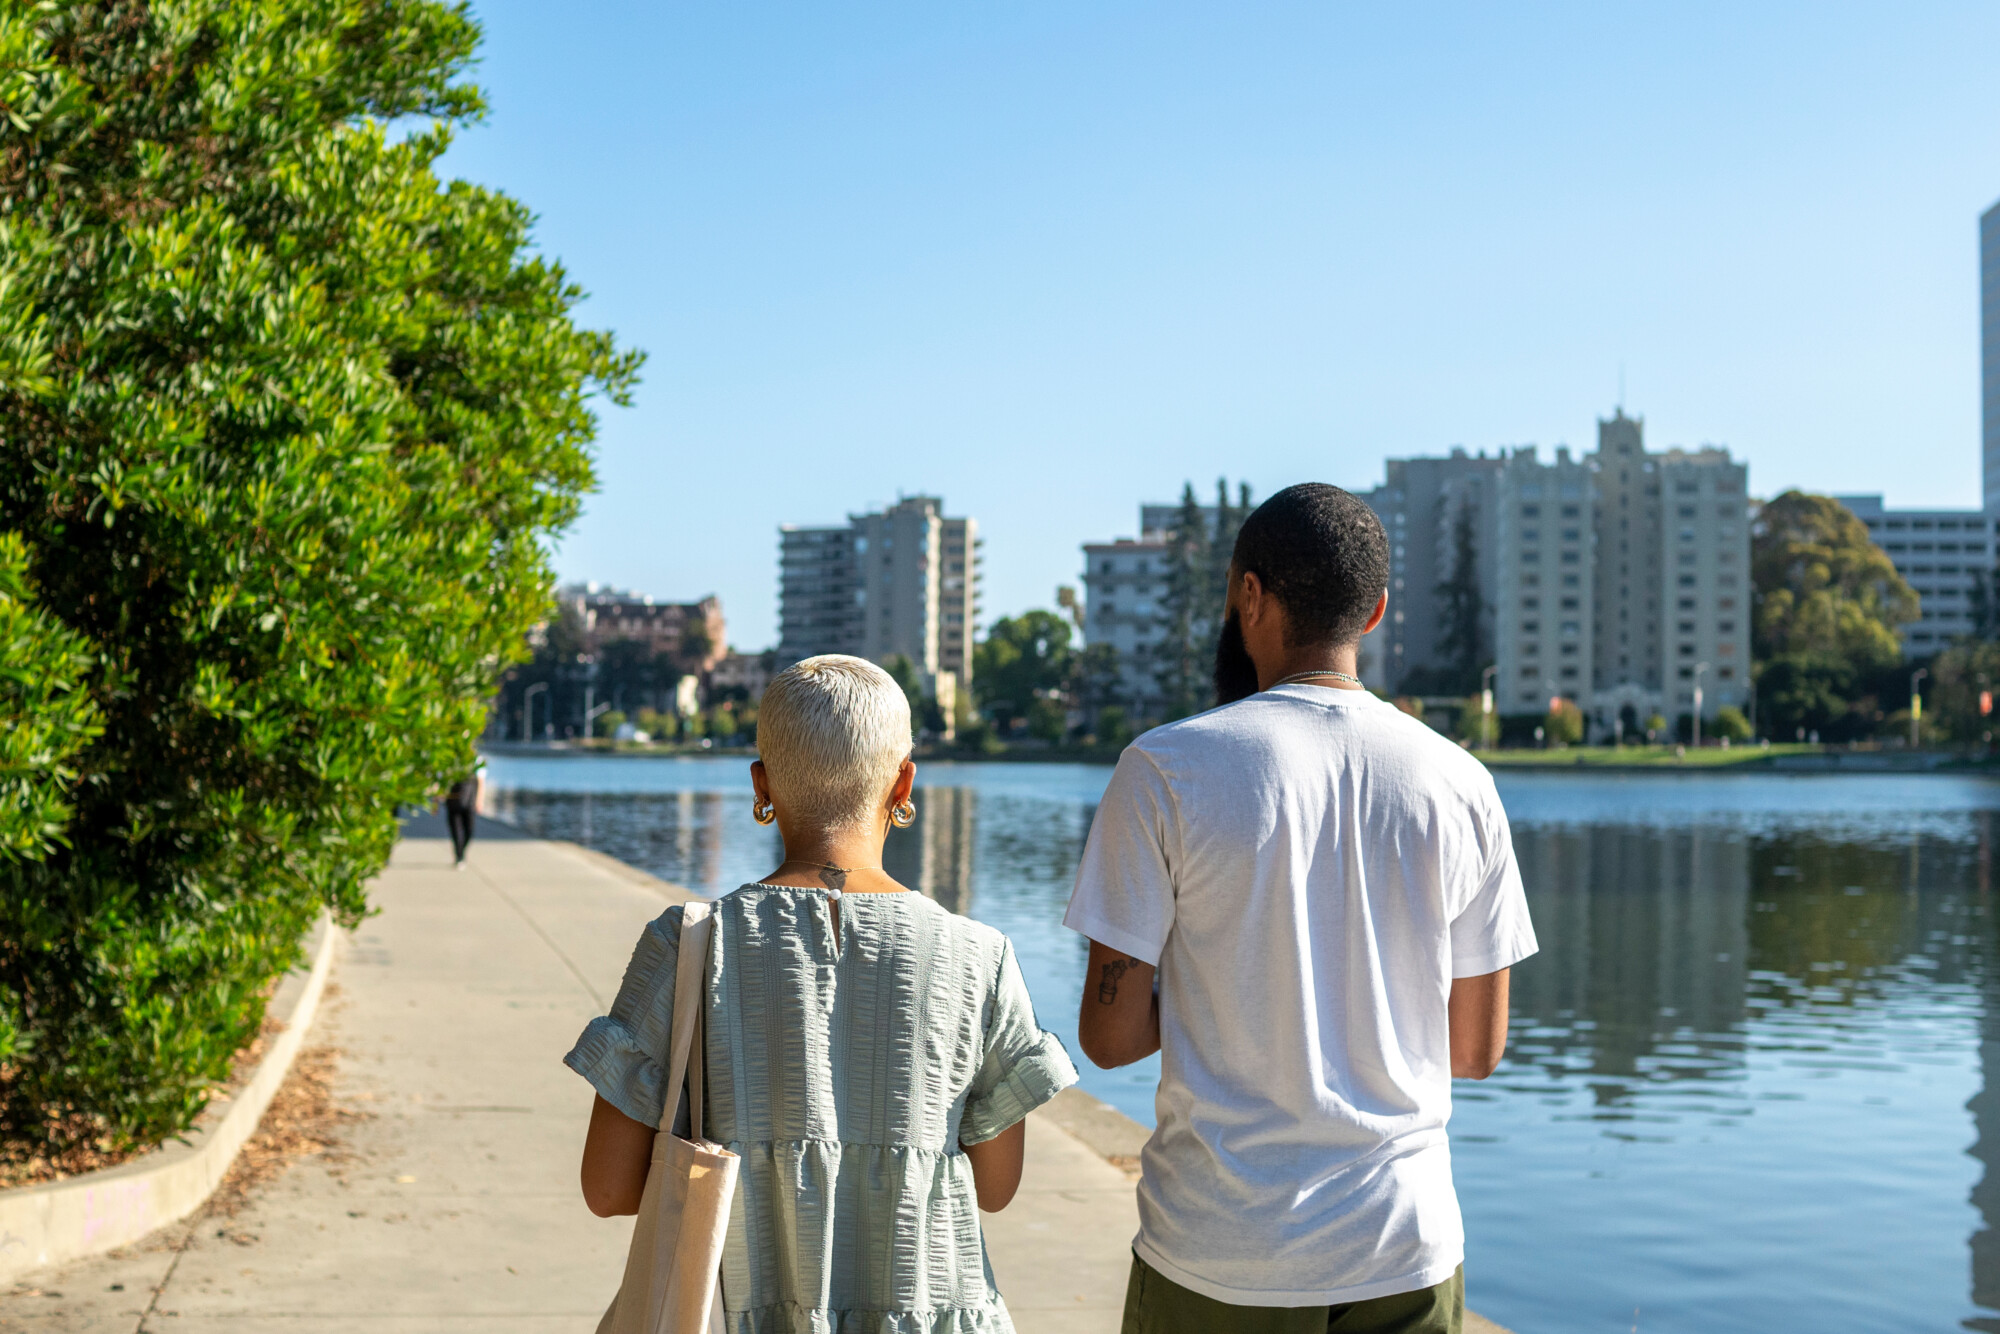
[[1746, 1085]]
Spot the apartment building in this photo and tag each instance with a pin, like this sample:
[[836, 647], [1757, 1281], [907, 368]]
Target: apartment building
[[693, 634], [1125, 586], [1942, 554], [1624, 580], [900, 581]]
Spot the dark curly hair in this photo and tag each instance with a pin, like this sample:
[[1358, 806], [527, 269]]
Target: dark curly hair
[[1322, 553]]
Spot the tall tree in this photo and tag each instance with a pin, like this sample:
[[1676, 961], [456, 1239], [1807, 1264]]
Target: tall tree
[[1460, 608], [1823, 587], [288, 425], [1200, 544], [1180, 667], [1827, 615]]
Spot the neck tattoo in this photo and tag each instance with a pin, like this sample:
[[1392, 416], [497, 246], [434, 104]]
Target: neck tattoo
[[833, 877], [1301, 676]]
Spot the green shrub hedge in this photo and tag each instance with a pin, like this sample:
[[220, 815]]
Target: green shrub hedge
[[284, 424]]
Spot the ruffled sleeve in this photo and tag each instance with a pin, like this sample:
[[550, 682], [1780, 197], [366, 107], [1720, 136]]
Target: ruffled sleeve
[[624, 1054], [1023, 1066]]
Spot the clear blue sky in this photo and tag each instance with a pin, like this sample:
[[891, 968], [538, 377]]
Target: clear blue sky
[[1051, 259]]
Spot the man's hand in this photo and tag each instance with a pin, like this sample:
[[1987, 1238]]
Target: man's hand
[[1120, 1022], [1478, 1011]]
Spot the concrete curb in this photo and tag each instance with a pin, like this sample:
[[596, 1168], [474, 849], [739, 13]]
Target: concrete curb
[[100, 1211]]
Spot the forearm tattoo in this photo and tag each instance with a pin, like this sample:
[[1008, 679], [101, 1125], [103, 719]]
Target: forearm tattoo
[[1108, 977]]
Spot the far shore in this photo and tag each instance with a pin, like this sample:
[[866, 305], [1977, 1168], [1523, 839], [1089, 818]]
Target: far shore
[[1741, 759]]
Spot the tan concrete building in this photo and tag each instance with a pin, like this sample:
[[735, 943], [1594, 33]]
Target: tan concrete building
[[1624, 581]]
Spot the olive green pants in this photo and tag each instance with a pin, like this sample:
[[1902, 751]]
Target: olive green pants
[[1155, 1304]]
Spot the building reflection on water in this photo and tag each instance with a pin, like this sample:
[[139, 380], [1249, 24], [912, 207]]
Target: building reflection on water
[[1664, 949]]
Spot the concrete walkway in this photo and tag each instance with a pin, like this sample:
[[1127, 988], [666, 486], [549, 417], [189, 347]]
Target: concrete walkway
[[455, 1204]]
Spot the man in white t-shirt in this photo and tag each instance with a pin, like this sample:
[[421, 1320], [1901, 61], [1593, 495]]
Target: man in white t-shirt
[[1327, 890]]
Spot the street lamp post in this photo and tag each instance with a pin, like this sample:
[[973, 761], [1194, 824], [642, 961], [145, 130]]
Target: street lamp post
[[1699, 668], [1916, 708], [528, 709]]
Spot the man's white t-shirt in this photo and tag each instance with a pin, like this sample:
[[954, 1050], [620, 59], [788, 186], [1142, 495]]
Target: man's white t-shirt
[[1309, 868]]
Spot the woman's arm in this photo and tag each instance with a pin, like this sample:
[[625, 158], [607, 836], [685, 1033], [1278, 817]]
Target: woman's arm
[[617, 1153], [996, 1166]]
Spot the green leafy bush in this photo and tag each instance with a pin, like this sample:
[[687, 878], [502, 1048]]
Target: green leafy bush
[[285, 422]]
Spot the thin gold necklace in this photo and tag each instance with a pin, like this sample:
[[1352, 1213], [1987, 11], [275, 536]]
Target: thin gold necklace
[[1300, 676]]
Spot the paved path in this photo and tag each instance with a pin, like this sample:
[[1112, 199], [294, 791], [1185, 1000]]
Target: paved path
[[456, 1204]]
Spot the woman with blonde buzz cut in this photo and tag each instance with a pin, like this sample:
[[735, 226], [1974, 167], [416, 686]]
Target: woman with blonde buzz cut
[[871, 1056]]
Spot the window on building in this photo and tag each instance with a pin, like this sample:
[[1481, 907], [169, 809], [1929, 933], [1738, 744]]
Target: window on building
[[1531, 603], [1531, 627], [1687, 511], [1687, 581], [1531, 511], [1572, 535], [1572, 628], [1571, 511], [1687, 650], [1569, 604], [1570, 581], [1530, 557], [1725, 627], [1686, 627], [1531, 534], [1569, 673], [1726, 673]]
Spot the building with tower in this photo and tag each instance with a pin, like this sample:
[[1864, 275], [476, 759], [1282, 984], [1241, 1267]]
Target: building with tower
[[1624, 581]]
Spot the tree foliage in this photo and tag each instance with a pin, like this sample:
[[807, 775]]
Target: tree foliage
[[1460, 607], [1199, 547], [46, 716], [285, 421], [1823, 586], [1023, 658]]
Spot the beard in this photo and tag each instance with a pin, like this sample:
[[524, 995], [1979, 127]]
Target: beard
[[1235, 673]]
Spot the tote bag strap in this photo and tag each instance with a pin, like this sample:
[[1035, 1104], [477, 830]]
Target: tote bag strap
[[697, 931]]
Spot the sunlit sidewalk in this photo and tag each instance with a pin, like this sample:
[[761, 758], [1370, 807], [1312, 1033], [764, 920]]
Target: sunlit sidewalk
[[454, 1203]]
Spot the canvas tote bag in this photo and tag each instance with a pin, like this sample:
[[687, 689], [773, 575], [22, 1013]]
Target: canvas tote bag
[[673, 1272]]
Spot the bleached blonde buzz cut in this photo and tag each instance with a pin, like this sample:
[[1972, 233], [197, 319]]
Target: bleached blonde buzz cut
[[833, 732]]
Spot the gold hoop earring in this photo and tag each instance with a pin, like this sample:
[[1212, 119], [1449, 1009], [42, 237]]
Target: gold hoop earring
[[903, 814], [764, 812]]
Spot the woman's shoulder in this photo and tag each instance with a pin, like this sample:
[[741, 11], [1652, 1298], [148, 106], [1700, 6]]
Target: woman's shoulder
[[983, 942]]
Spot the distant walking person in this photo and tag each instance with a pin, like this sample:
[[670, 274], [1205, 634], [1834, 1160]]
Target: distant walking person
[[1324, 891], [461, 801]]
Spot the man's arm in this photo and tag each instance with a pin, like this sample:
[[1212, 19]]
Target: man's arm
[[1120, 1022], [1478, 1012]]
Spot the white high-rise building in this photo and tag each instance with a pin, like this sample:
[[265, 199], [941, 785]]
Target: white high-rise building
[[1941, 554], [1989, 355]]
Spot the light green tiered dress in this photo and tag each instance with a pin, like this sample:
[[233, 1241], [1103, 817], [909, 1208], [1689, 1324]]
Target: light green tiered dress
[[846, 1069]]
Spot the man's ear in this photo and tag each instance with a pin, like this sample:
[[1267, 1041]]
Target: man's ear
[[1381, 609]]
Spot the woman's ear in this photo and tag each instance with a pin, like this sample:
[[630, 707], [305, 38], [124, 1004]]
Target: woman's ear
[[906, 779], [760, 783]]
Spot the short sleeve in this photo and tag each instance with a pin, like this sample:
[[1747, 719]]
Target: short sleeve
[[625, 1054], [1492, 931], [1022, 1067], [1124, 895]]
